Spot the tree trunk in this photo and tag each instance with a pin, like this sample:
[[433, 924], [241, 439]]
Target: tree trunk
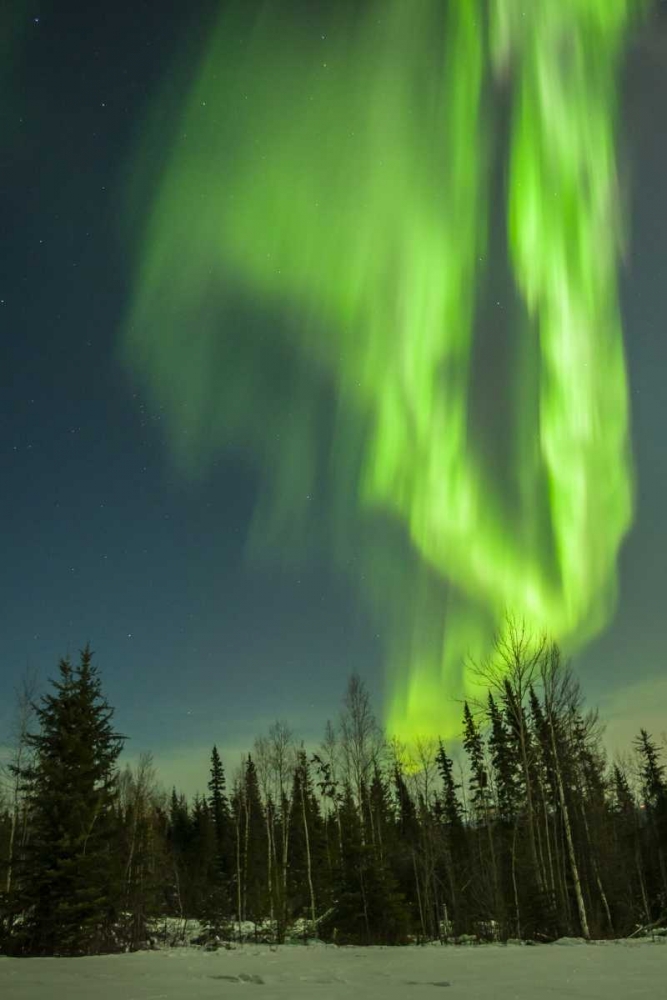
[[308, 858], [581, 908], [287, 813], [596, 871], [246, 840], [238, 875], [419, 896], [10, 849], [530, 813], [269, 875], [514, 883]]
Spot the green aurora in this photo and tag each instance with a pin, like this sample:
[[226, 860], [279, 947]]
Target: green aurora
[[338, 182]]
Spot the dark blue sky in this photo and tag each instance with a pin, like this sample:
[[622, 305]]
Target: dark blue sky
[[102, 542]]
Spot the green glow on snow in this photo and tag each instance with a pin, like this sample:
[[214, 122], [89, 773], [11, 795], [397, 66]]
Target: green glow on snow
[[340, 182]]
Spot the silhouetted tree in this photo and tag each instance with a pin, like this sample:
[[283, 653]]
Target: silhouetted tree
[[654, 796], [70, 881], [216, 906]]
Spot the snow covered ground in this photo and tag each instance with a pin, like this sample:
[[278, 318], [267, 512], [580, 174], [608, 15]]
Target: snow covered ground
[[569, 969]]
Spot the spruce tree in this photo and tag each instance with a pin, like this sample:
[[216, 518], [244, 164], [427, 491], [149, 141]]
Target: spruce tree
[[484, 871], [70, 883], [216, 908], [251, 844], [407, 830], [654, 795], [368, 907], [383, 825], [179, 834], [632, 898], [200, 857], [654, 782], [5, 854], [219, 807], [309, 878], [449, 812], [474, 747], [504, 763], [505, 770]]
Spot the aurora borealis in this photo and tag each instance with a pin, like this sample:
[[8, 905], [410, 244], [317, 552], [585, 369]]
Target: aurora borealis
[[349, 192], [242, 477]]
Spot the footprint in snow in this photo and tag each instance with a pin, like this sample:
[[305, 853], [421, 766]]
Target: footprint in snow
[[413, 982], [243, 977]]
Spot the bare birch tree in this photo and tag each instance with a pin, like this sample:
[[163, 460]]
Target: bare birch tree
[[26, 694], [511, 671], [361, 742], [557, 684]]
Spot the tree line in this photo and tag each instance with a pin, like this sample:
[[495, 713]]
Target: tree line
[[532, 834]]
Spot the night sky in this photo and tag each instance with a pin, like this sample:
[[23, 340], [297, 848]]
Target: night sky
[[105, 540]]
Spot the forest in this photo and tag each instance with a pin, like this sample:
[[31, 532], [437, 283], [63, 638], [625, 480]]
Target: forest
[[521, 828]]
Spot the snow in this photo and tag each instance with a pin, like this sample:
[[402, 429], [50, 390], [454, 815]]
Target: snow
[[567, 970]]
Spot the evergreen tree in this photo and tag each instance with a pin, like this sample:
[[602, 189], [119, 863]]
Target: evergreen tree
[[632, 900], [142, 847], [331, 801], [69, 877], [654, 795], [201, 856], [219, 810], [308, 878], [654, 783], [179, 833], [216, 907], [505, 770], [505, 765], [377, 858], [383, 824], [592, 817], [484, 873], [452, 811], [474, 747], [545, 769], [624, 802], [5, 854], [368, 906], [449, 812], [408, 833], [251, 846]]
